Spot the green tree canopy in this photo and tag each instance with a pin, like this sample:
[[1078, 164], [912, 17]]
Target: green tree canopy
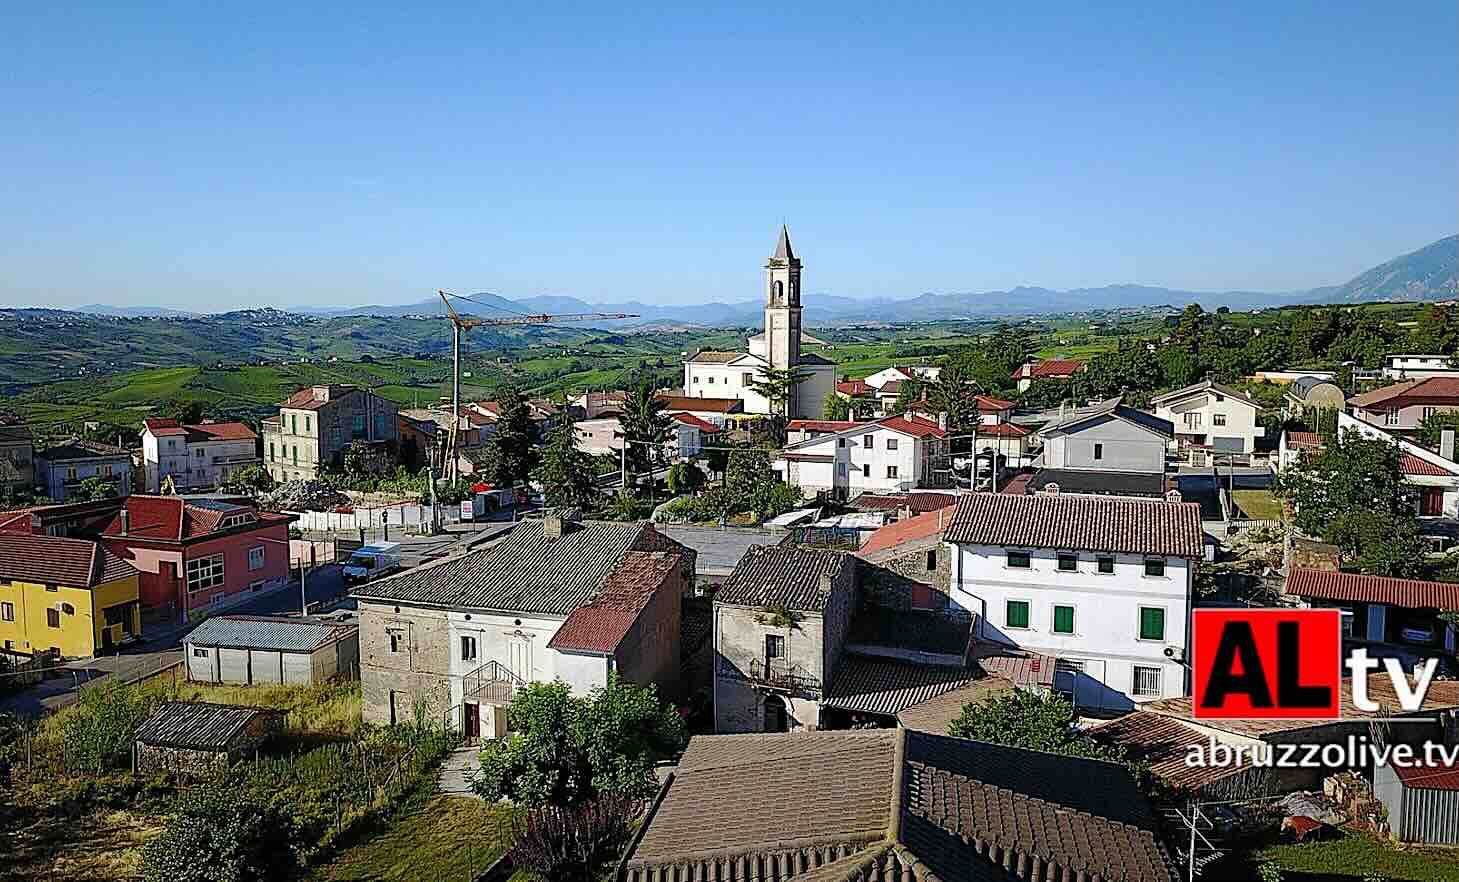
[[646, 429], [1432, 427], [566, 473], [836, 407], [512, 449], [778, 386], [217, 835], [1023, 718], [566, 750], [1349, 473], [1377, 542], [249, 480], [92, 489]]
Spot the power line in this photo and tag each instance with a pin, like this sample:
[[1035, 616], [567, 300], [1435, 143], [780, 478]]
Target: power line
[[487, 305]]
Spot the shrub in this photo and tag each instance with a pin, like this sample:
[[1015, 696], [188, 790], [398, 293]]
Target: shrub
[[218, 835], [99, 732], [573, 844]]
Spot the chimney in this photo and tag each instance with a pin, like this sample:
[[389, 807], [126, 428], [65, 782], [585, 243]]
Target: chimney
[[126, 521], [824, 583], [559, 522], [942, 421], [909, 414], [321, 393], [1446, 443]]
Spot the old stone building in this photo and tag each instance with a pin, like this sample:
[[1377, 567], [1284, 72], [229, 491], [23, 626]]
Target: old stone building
[[198, 737], [316, 424], [912, 566], [780, 625]]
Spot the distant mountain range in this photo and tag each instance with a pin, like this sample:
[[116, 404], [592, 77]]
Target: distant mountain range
[[1430, 273]]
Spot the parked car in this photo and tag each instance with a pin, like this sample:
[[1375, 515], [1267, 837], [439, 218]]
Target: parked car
[[370, 562]]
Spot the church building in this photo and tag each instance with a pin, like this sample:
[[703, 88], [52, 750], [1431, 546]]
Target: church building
[[710, 374]]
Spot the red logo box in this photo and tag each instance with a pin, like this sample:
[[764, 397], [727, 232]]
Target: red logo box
[[1267, 663]]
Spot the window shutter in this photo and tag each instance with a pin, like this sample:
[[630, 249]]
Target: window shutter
[[1152, 623]]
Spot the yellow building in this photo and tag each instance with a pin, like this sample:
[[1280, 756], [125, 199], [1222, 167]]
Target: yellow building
[[70, 595]]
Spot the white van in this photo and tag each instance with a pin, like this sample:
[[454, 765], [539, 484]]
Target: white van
[[370, 562]]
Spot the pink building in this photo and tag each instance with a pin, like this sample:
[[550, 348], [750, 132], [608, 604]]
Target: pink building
[[199, 556]]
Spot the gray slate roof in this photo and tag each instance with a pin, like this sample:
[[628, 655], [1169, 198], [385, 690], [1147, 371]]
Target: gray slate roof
[[1112, 408], [788, 577], [525, 572], [264, 633], [198, 725]]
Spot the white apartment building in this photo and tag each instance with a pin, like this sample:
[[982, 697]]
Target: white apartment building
[[893, 454], [1418, 367], [195, 457], [1210, 415], [604, 436], [1102, 583], [919, 372]]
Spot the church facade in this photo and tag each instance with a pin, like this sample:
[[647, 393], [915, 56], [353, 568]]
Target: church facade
[[711, 374]]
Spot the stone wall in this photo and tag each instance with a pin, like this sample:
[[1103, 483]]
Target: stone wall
[[418, 669], [890, 581], [739, 643]]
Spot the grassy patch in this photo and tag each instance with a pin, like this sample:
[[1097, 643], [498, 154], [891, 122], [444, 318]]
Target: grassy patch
[[1358, 854], [1258, 504], [437, 837]]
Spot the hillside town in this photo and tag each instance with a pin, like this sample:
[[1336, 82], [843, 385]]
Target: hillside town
[[772, 622]]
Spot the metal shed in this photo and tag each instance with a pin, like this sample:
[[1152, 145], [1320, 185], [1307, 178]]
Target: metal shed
[[261, 649], [197, 736], [1422, 802]]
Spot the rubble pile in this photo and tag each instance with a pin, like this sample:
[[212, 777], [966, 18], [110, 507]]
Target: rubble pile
[[303, 496]]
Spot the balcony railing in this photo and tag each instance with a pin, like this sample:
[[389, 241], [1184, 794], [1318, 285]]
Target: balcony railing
[[779, 674], [236, 458], [493, 683]]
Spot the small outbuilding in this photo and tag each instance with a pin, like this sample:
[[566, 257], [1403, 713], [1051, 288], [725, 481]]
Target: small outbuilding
[[188, 736], [261, 649], [1422, 801]]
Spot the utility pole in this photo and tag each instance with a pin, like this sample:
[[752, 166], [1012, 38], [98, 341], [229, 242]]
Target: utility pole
[[303, 594]]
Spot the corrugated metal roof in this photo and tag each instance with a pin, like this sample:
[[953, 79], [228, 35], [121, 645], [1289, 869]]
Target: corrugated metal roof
[[1079, 523], [1359, 588], [285, 635], [525, 572], [198, 725], [1433, 776], [790, 577]]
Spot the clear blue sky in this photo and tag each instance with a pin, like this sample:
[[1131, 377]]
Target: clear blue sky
[[165, 153]]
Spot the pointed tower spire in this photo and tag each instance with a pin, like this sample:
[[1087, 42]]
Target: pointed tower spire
[[782, 247]]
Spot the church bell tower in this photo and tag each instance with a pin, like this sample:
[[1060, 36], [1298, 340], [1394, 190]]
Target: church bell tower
[[782, 305]]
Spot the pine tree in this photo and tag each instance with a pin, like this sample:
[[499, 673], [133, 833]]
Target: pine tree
[[645, 429], [513, 451], [566, 473], [778, 387]]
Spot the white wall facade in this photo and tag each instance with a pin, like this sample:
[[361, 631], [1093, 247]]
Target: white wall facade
[[1107, 614], [1207, 416], [874, 458], [194, 465]]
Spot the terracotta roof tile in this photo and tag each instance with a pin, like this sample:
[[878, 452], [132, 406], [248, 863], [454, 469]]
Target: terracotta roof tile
[[690, 419], [1304, 439], [1359, 588], [175, 519], [75, 563], [918, 502], [989, 403], [923, 526], [709, 356], [700, 405], [1087, 523], [1004, 430], [1050, 368], [79, 449], [602, 623], [854, 387], [1415, 465], [821, 425], [1162, 743], [888, 686], [1433, 390], [1442, 695], [1429, 776], [917, 427]]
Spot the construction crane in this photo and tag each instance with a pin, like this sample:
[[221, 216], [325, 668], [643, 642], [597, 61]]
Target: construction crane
[[460, 325]]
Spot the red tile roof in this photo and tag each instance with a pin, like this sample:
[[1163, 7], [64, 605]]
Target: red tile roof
[[160, 427], [923, 526], [1004, 430], [605, 620], [702, 405], [1414, 465], [1356, 587], [1162, 743], [1052, 368], [808, 457], [1429, 777], [918, 502], [1304, 439], [1026, 670], [1442, 695], [821, 425], [304, 399], [917, 427], [220, 432], [988, 402], [1433, 390], [174, 519], [854, 387], [1089, 523], [690, 419], [75, 563]]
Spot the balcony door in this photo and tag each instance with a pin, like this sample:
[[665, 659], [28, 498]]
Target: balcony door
[[519, 656]]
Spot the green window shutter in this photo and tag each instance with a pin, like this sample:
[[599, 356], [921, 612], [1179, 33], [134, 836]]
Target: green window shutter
[[1018, 614], [1063, 620], [1152, 623]]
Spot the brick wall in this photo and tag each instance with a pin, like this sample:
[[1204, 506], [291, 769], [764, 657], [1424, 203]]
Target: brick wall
[[418, 669]]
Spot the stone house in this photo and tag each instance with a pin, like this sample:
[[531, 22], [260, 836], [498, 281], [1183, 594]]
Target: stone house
[[912, 564], [315, 425], [780, 625], [557, 599], [198, 737], [17, 457]]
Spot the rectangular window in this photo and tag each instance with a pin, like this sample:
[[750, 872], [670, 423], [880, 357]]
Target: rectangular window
[[1016, 614], [931, 560], [296, 454], [199, 453], [293, 424], [394, 643], [1152, 623], [255, 558], [1099, 451], [1430, 411], [711, 381], [271, 457], [1192, 420], [866, 470], [891, 443], [7, 612], [1390, 418], [1106, 564], [1147, 681], [357, 426], [1155, 566], [1018, 560], [1063, 620], [70, 473], [199, 652], [774, 646], [868, 441], [1068, 563], [696, 379], [204, 573], [306, 424], [106, 471], [747, 379], [468, 648], [1218, 419], [53, 618], [891, 471]]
